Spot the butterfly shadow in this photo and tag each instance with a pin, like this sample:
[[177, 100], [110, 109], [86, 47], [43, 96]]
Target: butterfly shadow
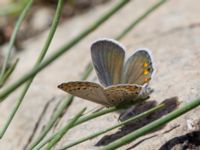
[[170, 105]]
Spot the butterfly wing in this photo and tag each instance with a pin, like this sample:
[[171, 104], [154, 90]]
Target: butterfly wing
[[138, 68], [108, 58], [122, 93], [86, 90]]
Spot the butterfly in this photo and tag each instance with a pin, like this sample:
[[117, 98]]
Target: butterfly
[[122, 81]]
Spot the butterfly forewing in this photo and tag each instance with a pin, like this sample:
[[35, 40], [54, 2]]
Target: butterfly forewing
[[108, 59], [122, 93], [138, 69], [86, 90], [124, 82]]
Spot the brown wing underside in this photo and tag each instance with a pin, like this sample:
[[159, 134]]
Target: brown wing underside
[[122, 93], [110, 96], [86, 90]]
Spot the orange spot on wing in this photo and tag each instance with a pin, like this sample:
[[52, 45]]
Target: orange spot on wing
[[145, 64], [146, 72]]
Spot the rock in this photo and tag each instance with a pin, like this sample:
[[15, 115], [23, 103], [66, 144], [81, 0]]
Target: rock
[[42, 18], [172, 33]]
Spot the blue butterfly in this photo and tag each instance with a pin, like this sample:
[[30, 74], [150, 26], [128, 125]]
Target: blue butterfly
[[122, 81]]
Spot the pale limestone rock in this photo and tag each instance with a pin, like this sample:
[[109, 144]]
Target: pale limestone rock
[[172, 33]]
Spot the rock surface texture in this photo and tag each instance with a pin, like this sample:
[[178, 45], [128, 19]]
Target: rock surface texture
[[172, 33]]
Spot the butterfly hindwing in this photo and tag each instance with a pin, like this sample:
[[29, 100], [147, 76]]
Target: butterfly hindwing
[[138, 68], [86, 90], [122, 93], [124, 82], [108, 58]]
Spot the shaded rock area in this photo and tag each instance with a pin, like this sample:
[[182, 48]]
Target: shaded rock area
[[172, 34], [188, 141]]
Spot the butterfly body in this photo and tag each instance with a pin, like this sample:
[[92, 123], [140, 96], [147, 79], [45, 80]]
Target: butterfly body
[[122, 82]]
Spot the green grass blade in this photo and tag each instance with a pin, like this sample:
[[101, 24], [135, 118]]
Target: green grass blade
[[34, 145], [10, 9], [63, 106], [64, 130], [14, 8], [141, 18], [87, 71], [9, 72], [79, 121], [62, 50], [13, 38], [39, 60], [81, 140], [95, 115], [152, 126]]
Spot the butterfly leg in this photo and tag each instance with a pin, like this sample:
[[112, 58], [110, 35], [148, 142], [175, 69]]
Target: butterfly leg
[[126, 114]]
